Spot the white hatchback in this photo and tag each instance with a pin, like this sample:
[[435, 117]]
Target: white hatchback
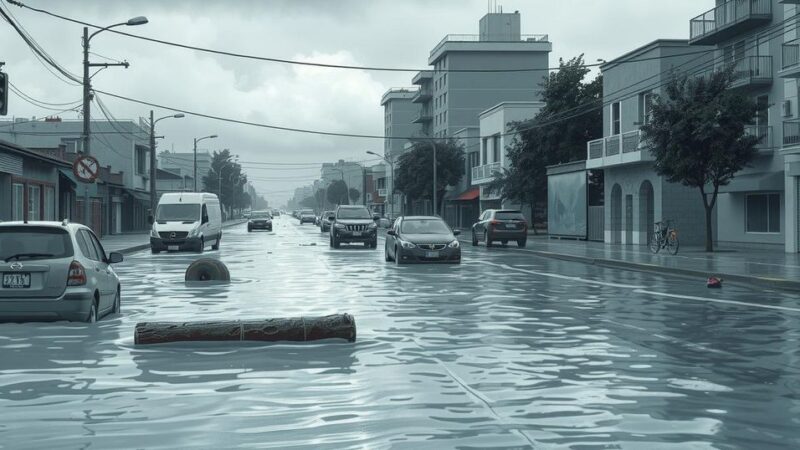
[[55, 271]]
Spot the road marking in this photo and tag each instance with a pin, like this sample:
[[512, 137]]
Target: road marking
[[716, 300], [564, 277]]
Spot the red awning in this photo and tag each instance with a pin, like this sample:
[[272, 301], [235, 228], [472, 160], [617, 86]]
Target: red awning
[[469, 194]]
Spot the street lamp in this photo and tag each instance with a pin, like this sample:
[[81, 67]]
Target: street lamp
[[153, 153], [196, 140], [391, 166], [139, 20], [219, 176]]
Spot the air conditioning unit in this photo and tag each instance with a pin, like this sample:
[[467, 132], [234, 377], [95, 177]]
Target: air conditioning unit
[[787, 108]]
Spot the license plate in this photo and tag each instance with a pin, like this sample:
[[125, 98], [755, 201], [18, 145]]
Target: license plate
[[511, 226], [356, 233], [431, 254], [16, 280], [173, 248]]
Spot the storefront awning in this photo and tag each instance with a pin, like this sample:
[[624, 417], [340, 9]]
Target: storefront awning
[[469, 195], [754, 182], [67, 176], [138, 195]]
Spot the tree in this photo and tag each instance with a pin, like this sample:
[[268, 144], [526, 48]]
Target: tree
[[337, 193], [354, 195], [558, 134], [696, 134], [414, 171], [233, 180], [319, 197], [309, 202]]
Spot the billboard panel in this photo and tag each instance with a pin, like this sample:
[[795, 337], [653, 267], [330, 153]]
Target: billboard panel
[[566, 204]]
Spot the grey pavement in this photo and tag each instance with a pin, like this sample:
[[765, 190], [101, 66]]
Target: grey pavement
[[132, 242]]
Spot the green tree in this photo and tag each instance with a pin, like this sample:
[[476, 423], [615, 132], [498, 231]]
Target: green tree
[[414, 171], [319, 197], [354, 195], [558, 134], [696, 134], [337, 193], [309, 202]]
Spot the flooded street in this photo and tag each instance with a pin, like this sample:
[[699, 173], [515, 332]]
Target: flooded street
[[507, 350]]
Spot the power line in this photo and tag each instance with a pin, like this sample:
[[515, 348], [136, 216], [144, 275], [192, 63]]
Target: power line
[[317, 64]]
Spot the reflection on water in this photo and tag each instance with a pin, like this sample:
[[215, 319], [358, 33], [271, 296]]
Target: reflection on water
[[470, 356]]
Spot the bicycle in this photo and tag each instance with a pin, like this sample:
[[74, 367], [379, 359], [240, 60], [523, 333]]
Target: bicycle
[[665, 235]]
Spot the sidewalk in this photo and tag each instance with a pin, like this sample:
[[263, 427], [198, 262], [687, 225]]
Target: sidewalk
[[133, 242], [769, 268]]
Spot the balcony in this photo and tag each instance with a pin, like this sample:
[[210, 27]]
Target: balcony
[[729, 19], [790, 59], [626, 148], [382, 193], [422, 96], [752, 71], [423, 117], [484, 174], [764, 134], [791, 133]]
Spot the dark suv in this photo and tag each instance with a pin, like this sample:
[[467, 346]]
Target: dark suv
[[353, 224], [500, 225]]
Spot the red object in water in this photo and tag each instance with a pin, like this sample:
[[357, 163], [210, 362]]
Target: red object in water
[[714, 282]]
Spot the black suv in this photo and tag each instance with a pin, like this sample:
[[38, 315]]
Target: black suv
[[353, 224]]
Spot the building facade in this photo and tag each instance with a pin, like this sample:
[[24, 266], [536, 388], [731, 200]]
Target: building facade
[[400, 113], [183, 163]]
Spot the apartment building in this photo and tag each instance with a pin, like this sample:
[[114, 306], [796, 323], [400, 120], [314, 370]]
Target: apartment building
[[183, 163], [400, 114], [788, 75]]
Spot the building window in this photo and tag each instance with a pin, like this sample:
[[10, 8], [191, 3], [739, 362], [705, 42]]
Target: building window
[[49, 203], [34, 201], [496, 148], [615, 118], [484, 151], [763, 213], [141, 160], [645, 107], [18, 202]]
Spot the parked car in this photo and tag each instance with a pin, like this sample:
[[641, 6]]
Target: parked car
[[307, 216], [416, 239], [326, 218], [259, 220], [501, 225], [276, 213], [352, 223], [55, 271], [186, 221]]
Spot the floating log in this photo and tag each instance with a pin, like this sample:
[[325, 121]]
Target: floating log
[[336, 326], [207, 269]]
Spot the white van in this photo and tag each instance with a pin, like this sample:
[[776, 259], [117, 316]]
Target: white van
[[186, 221]]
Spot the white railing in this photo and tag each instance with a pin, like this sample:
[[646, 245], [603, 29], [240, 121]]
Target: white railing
[[382, 193], [485, 172], [614, 145]]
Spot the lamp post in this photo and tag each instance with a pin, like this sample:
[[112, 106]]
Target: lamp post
[[391, 167], [87, 97], [196, 140], [433, 206], [153, 123]]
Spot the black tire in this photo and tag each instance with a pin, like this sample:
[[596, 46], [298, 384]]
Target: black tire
[[154, 251], [117, 303], [474, 239], [386, 256], [334, 242], [522, 243], [249, 229], [207, 269], [330, 241], [216, 244], [201, 248], [672, 245], [92, 316], [374, 244], [654, 245], [398, 256], [488, 239]]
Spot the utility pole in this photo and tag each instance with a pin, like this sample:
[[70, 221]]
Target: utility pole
[[433, 209], [152, 165], [194, 174]]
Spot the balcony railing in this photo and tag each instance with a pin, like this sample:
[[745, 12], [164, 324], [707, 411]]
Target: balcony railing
[[791, 133], [752, 70], [731, 17], [423, 117], [422, 96], [614, 145], [489, 38], [382, 193], [763, 133], [790, 59], [484, 173]]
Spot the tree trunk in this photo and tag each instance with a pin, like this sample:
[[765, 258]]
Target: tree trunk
[[532, 205], [341, 326], [709, 230]]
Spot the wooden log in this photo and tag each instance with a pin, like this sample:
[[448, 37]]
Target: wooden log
[[336, 326]]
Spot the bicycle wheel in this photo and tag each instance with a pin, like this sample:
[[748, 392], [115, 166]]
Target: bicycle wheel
[[655, 243], [672, 244]]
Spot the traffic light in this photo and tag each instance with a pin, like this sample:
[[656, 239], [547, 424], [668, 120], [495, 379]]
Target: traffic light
[[3, 94]]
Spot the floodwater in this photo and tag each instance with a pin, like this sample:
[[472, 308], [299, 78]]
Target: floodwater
[[507, 350]]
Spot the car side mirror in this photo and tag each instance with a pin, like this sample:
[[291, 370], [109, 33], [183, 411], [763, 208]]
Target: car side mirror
[[150, 219], [114, 258], [456, 232], [391, 233]]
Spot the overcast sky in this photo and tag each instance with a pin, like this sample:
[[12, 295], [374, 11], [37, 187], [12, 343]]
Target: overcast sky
[[395, 33]]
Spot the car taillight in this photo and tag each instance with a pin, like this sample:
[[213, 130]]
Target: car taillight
[[76, 276], [494, 223]]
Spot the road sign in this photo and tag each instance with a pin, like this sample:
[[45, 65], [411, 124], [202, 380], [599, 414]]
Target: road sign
[[86, 169]]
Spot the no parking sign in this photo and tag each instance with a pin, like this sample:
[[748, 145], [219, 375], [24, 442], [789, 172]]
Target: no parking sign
[[86, 168]]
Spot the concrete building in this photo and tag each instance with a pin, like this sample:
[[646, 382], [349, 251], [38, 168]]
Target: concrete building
[[183, 163], [400, 113], [120, 147], [462, 206]]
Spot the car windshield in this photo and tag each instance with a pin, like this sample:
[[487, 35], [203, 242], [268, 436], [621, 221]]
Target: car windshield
[[20, 243], [424, 226], [178, 212], [509, 215], [260, 215], [353, 213]]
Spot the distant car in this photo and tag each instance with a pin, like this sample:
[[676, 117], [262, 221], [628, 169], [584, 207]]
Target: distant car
[[276, 213], [501, 225], [418, 239], [55, 271], [353, 223], [307, 216], [325, 220], [259, 220]]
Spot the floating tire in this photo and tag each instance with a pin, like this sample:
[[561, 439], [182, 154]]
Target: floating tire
[[207, 269]]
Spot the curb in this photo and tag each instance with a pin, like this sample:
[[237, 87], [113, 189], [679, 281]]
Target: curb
[[774, 283], [139, 247]]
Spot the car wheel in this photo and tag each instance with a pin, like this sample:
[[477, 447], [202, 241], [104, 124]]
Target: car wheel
[[398, 257], [117, 303], [92, 317], [488, 240], [202, 246], [521, 243], [474, 239], [386, 256], [249, 230], [330, 241], [216, 244], [154, 251]]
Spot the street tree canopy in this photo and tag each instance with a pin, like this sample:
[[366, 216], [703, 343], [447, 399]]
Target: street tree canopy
[[233, 180], [337, 193], [354, 195], [414, 172], [558, 134], [696, 133]]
